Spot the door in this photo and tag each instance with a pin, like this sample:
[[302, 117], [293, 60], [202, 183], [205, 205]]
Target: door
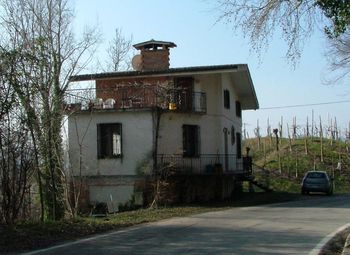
[[184, 91]]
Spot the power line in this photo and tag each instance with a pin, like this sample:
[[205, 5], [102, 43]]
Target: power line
[[304, 105]]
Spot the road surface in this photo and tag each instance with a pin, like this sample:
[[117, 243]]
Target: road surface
[[286, 228]]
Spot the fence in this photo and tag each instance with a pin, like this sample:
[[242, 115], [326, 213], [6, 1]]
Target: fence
[[205, 163]]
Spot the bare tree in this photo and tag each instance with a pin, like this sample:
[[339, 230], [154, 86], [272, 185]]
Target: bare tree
[[119, 51], [16, 165], [295, 19], [45, 53], [338, 54], [259, 20], [16, 150], [74, 179]]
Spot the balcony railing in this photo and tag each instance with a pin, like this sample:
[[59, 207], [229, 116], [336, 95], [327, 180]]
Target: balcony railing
[[121, 99], [205, 164]]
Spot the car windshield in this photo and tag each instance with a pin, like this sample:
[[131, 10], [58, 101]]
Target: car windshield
[[316, 175]]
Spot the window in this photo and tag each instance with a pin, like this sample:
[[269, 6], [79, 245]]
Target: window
[[191, 140], [227, 99], [109, 140], [238, 109]]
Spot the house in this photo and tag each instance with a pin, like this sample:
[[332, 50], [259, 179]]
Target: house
[[133, 122]]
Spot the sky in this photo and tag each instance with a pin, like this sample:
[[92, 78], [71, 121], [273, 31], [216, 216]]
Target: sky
[[201, 41]]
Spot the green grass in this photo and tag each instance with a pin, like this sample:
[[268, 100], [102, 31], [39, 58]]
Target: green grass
[[33, 235], [287, 167]]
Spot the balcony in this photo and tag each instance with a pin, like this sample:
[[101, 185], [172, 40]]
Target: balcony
[[206, 164], [134, 98]]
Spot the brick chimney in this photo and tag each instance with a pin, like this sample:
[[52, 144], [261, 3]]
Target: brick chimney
[[154, 55]]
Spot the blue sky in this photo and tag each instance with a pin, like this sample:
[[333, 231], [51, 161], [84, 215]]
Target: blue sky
[[202, 41]]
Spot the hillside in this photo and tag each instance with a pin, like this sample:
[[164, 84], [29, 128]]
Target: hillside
[[283, 168]]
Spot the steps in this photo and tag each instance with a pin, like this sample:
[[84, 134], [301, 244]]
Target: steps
[[260, 185]]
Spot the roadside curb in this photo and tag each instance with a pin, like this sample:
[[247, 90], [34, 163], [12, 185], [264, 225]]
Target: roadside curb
[[346, 249], [321, 247]]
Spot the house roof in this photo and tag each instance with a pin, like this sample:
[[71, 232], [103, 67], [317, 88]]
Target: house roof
[[239, 74]]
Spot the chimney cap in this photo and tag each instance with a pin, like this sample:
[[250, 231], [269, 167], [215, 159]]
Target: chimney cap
[[154, 44]]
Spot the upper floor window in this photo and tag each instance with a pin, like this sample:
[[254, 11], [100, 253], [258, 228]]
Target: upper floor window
[[238, 109], [227, 99], [191, 140], [109, 140]]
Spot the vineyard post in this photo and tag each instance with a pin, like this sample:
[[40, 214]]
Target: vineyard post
[[321, 139], [269, 134], [296, 163], [257, 133], [312, 124], [306, 142], [289, 139], [281, 130]]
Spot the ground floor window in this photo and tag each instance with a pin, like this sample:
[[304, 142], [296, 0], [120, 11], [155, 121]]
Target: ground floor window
[[191, 140], [109, 140]]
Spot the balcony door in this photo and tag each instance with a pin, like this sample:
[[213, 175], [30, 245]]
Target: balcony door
[[184, 91]]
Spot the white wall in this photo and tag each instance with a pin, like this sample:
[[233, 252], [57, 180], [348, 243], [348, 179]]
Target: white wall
[[137, 141], [229, 117], [211, 124]]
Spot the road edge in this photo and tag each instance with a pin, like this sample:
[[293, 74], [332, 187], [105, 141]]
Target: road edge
[[320, 246]]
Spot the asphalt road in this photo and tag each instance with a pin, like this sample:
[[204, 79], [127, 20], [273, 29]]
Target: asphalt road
[[287, 228]]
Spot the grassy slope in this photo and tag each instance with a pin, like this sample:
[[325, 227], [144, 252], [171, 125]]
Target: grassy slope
[[287, 166]]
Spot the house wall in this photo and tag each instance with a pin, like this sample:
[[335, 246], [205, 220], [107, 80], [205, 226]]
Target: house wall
[[114, 177], [229, 117], [211, 124], [137, 141]]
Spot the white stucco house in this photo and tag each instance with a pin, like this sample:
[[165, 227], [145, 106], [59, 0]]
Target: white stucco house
[[130, 121]]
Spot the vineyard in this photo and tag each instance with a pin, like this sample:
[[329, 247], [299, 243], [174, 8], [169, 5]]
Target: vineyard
[[280, 163]]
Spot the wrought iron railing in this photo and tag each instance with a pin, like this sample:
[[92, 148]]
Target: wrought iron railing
[[173, 100], [204, 164]]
